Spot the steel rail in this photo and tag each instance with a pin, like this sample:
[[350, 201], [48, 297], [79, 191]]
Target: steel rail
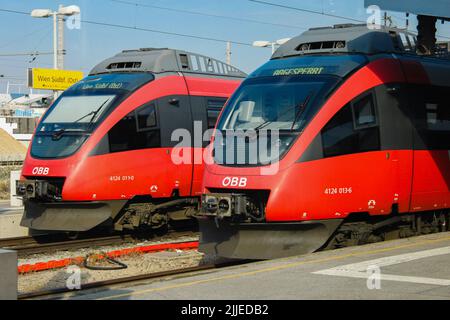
[[44, 244], [128, 280]]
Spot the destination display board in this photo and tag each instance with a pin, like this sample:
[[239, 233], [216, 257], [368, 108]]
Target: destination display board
[[51, 79]]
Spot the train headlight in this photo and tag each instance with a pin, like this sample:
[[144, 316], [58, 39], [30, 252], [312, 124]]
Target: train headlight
[[21, 189], [30, 189], [224, 206], [211, 205]]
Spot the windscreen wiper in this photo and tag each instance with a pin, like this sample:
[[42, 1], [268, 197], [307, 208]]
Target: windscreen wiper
[[58, 134], [264, 124], [92, 113], [301, 109]]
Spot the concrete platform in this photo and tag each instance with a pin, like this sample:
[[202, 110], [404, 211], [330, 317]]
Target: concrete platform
[[5, 207], [414, 268], [10, 224], [8, 275]]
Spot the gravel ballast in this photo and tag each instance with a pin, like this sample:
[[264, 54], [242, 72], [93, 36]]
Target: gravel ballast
[[137, 264]]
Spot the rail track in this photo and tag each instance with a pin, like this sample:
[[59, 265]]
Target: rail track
[[52, 293], [49, 244], [55, 293]]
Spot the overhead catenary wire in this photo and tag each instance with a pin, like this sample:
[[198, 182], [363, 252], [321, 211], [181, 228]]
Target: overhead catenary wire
[[150, 6], [113, 25], [323, 13], [19, 39], [306, 10], [267, 3], [19, 54], [165, 32], [199, 37]]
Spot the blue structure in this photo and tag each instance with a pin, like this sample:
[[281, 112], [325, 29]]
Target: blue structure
[[427, 14], [436, 8]]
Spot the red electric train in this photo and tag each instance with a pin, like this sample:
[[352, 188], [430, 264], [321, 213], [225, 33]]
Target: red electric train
[[101, 155], [357, 128]]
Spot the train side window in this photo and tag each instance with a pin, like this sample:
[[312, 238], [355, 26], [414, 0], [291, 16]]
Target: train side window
[[340, 136], [213, 109], [433, 116], [137, 130], [146, 117], [364, 112]]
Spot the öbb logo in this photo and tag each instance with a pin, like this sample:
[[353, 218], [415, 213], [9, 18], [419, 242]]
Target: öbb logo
[[41, 171], [234, 182]]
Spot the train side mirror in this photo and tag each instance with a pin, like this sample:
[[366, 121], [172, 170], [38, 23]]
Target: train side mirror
[[174, 102], [393, 88]]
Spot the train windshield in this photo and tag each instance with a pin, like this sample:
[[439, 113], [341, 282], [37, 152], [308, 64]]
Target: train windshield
[[79, 110], [276, 103], [274, 110]]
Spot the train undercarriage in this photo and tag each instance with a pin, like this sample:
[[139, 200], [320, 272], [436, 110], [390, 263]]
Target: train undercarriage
[[156, 214], [234, 226], [45, 211]]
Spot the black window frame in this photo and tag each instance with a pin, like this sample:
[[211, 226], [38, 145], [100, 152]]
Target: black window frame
[[358, 131], [355, 101], [137, 110], [427, 137], [138, 131], [210, 108]]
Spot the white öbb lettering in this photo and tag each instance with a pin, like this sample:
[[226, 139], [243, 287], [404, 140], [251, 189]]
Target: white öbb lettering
[[234, 182], [40, 171]]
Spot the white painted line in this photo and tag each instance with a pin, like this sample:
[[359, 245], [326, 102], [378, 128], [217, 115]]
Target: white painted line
[[359, 270]]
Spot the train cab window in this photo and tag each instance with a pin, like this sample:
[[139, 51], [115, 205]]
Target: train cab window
[[137, 130], [353, 129], [338, 135], [146, 117], [213, 108], [364, 112]]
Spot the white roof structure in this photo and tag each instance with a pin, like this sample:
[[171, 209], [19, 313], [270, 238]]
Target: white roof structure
[[7, 100]]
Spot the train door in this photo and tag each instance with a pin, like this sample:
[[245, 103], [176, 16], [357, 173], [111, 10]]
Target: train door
[[367, 171], [175, 118], [396, 136], [205, 111], [431, 182]]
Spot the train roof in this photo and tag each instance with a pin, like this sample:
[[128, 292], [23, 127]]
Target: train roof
[[162, 60], [349, 38], [341, 49]]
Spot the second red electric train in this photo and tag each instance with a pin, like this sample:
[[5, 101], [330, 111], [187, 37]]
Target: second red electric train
[[102, 153], [361, 150]]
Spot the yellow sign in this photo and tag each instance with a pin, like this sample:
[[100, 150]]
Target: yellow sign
[[51, 79]]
